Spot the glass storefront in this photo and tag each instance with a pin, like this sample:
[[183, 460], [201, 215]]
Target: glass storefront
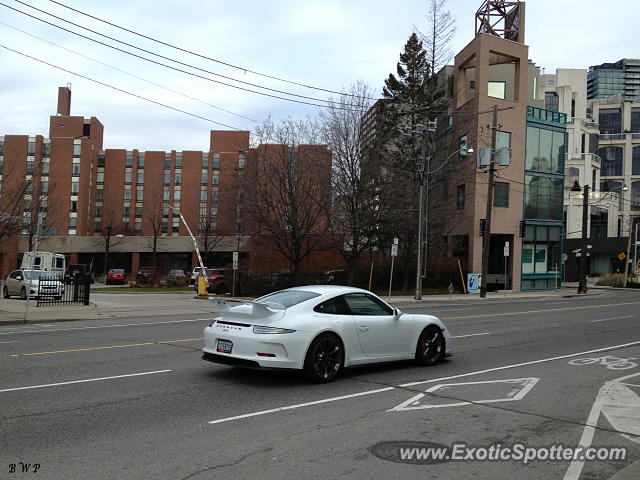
[[541, 257]]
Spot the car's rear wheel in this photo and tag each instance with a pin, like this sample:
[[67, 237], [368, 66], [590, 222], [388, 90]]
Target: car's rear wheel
[[5, 292], [324, 359], [431, 347], [23, 293]]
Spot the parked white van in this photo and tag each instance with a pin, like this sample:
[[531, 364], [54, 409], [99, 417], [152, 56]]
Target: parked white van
[[54, 263]]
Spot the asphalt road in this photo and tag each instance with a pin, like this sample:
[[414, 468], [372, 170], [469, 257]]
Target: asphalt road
[[131, 399]]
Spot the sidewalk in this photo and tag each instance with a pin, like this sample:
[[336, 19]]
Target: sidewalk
[[105, 305]]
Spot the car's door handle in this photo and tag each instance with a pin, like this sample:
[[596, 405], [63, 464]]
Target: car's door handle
[[363, 328]]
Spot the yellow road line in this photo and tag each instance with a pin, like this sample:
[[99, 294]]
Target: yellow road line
[[105, 348], [540, 311]]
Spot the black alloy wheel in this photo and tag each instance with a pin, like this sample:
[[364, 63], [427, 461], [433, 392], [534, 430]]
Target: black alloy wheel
[[324, 359], [431, 347], [5, 292]]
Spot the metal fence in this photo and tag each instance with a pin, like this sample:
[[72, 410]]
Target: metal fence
[[72, 290]]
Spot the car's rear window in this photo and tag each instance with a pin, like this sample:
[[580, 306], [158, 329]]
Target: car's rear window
[[288, 298], [117, 270]]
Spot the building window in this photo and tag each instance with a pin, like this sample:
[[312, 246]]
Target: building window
[[635, 161], [501, 195], [176, 195], [1, 148], [215, 179], [610, 121], [545, 150], [75, 170], [44, 186], [76, 150], [551, 101], [75, 188], [127, 178], [204, 178], [203, 195], [128, 160], [137, 225], [241, 161], [138, 211], [543, 197], [167, 179], [175, 226], [46, 150], [126, 211], [101, 160], [98, 209], [635, 121], [44, 167], [177, 179], [167, 163], [460, 197], [139, 196], [166, 194], [127, 195], [99, 194], [205, 161], [73, 222], [463, 145], [74, 207], [98, 226], [611, 161], [140, 160], [635, 195], [216, 161], [140, 178], [31, 149], [30, 167], [540, 254], [214, 211], [497, 89], [203, 210], [178, 160], [214, 196]]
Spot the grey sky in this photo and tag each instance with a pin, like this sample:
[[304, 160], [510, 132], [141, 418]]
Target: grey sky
[[327, 43]]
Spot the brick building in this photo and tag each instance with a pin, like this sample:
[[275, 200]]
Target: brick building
[[113, 207]]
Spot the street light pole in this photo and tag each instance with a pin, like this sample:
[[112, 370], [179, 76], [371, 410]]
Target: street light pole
[[486, 240], [582, 285]]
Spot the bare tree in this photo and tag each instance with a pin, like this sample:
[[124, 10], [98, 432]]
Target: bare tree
[[156, 212], [441, 27], [12, 207], [208, 237], [352, 212], [288, 182], [111, 229]]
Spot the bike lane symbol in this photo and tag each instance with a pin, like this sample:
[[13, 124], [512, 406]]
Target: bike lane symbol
[[609, 361]]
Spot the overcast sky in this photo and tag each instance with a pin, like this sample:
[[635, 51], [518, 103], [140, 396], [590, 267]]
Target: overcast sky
[[328, 44]]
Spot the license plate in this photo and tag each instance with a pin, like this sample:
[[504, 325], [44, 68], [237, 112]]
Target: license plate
[[224, 346]]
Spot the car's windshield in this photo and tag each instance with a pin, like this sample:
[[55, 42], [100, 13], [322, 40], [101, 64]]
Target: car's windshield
[[116, 270], [36, 274], [288, 298]]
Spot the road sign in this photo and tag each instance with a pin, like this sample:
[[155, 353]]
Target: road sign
[[235, 260], [506, 249], [395, 240], [394, 250]]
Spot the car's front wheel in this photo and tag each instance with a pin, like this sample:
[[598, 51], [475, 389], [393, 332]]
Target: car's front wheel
[[23, 293], [431, 347], [324, 359], [5, 292]]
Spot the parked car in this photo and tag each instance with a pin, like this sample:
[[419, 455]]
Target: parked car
[[116, 275], [320, 329], [145, 274], [215, 280], [176, 278], [74, 270], [27, 282]]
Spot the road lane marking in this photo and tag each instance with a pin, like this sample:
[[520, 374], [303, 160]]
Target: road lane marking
[[301, 405], [575, 468], [613, 318], [83, 381], [471, 335], [540, 311], [105, 326], [88, 349], [10, 342], [369, 392]]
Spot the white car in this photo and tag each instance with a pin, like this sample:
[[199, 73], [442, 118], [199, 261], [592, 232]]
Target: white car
[[19, 281], [320, 329]]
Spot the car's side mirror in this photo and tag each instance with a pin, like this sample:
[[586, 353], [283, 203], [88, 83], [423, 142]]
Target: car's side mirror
[[397, 313]]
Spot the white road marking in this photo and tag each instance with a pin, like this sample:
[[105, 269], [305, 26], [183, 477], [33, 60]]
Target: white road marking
[[575, 468], [83, 381], [10, 342], [471, 335], [614, 318], [523, 364], [105, 326], [520, 387], [369, 392], [300, 405], [454, 309]]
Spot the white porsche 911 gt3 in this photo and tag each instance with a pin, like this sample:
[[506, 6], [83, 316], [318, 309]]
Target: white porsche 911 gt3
[[320, 329]]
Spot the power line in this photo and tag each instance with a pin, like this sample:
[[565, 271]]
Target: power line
[[120, 89], [172, 60], [128, 73], [245, 70]]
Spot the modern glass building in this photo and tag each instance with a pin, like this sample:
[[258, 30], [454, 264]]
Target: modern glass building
[[545, 154], [619, 78]]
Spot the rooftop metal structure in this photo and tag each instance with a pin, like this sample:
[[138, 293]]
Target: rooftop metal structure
[[500, 18]]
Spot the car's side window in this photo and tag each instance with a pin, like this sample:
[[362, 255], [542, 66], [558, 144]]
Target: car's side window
[[363, 304], [335, 306], [14, 274]]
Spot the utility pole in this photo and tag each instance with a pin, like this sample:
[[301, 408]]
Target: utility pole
[[626, 259], [486, 240], [582, 285]]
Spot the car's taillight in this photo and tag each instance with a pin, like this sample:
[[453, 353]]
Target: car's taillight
[[271, 330]]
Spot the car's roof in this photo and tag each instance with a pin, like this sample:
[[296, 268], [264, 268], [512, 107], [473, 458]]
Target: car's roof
[[328, 289]]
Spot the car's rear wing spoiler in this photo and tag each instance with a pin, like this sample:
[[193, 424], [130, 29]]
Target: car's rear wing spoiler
[[258, 310]]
